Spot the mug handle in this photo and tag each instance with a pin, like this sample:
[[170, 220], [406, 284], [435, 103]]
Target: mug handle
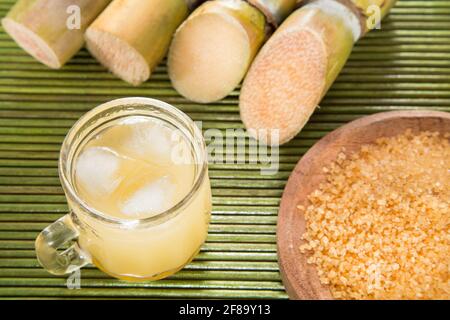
[[54, 237]]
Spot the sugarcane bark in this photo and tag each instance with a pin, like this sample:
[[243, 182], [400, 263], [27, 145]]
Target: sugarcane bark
[[40, 27], [274, 10], [139, 31], [197, 69], [325, 42]]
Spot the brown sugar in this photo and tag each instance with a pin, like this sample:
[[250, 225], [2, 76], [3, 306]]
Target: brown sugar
[[378, 228]]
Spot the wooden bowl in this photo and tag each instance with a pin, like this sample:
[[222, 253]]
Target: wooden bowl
[[299, 278]]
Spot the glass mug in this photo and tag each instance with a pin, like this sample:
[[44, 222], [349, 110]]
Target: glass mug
[[141, 249]]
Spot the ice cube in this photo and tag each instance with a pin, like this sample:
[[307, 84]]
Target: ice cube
[[151, 139], [155, 197], [96, 170]]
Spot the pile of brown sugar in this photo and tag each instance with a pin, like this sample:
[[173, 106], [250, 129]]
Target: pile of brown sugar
[[378, 228]]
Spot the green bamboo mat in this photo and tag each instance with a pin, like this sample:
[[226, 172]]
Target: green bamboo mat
[[405, 66]]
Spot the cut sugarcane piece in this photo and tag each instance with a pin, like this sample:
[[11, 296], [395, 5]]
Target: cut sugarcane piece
[[296, 67], [131, 37], [212, 50], [48, 30], [274, 10]]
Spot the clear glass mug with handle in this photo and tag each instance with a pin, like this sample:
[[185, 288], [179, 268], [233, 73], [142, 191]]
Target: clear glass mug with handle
[[131, 249]]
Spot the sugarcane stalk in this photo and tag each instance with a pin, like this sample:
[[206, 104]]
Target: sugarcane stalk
[[364, 10], [274, 10], [213, 49], [296, 67], [44, 29], [131, 37]]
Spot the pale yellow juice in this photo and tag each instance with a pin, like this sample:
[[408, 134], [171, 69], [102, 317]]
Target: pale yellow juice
[[137, 170]]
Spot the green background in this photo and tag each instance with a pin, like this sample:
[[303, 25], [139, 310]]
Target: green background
[[404, 66]]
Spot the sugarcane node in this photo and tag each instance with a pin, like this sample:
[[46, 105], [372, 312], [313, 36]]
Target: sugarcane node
[[361, 10], [275, 11]]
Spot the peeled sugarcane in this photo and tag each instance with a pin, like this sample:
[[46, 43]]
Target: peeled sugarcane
[[51, 31], [298, 64], [213, 49], [131, 37]]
